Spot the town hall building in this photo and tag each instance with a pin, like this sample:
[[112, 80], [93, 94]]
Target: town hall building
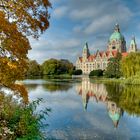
[[100, 59]]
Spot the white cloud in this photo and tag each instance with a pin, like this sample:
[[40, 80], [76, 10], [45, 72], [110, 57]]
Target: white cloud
[[99, 24], [60, 12], [44, 49]]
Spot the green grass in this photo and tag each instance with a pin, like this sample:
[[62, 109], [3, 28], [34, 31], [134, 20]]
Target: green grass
[[129, 81]]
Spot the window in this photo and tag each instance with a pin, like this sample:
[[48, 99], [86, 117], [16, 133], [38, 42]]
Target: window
[[113, 47], [98, 66]]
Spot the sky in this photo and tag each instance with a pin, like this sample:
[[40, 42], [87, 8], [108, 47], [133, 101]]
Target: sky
[[74, 22]]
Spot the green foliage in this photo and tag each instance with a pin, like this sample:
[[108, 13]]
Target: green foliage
[[126, 97], [34, 69], [57, 67], [77, 72], [131, 65], [113, 69], [97, 73], [133, 80], [19, 121]]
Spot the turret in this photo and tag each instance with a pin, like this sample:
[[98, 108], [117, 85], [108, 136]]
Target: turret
[[133, 45], [86, 52]]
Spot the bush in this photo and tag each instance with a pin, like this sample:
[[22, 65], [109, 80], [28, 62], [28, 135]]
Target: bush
[[97, 73], [77, 72], [19, 121]]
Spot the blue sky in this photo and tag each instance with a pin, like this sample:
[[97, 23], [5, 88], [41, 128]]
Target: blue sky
[[73, 22]]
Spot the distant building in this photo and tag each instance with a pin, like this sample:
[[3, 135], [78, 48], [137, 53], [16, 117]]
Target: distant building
[[100, 60]]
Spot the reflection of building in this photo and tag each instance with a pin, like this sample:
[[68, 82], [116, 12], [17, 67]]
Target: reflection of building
[[114, 112], [91, 90], [116, 43], [98, 92]]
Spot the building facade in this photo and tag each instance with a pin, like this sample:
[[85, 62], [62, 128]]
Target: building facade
[[100, 59]]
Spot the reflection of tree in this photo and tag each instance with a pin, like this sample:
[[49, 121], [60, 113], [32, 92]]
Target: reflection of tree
[[56, 86], [114, 92], [126, 97], [130, 100], [31, 87]]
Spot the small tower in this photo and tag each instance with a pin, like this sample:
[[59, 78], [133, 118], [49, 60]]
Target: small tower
[[133, 45], [86, 52]]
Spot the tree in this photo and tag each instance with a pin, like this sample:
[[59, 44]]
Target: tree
[[50, 67], [18, 20], [113, 69], [131, 65], [34, 69], [97, 73], [56, 67]]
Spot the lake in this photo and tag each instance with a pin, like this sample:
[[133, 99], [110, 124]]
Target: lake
[[85, 110]]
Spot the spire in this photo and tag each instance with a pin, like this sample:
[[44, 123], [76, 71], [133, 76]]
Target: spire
[[86, 52], [133, 45], [86, 46], [117, 28]]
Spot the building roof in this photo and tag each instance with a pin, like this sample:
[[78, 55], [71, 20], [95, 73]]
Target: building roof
[[106, 53], [124, 54], [80, 58], [116, 35], [91, 57]]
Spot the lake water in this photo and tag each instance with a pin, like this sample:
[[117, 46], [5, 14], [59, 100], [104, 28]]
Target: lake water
[[85, 110]]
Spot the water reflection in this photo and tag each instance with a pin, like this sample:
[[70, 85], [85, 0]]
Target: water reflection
[[47, 85], [98, 92], [126, 97], [114, 112], [103, 107], [57, 87]]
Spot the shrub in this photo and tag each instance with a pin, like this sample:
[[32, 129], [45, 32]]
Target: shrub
[[19, 121], [77, 72], [97, 73]]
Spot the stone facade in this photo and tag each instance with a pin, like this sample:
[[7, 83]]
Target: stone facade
[[100, 60]]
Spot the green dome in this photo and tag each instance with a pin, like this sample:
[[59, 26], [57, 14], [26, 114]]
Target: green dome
[[114, 117], [116, 36]]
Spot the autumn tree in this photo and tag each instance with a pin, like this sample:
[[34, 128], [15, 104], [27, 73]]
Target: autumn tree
[[19, 19]]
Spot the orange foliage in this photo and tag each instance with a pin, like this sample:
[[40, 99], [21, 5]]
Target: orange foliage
[[18, 20]]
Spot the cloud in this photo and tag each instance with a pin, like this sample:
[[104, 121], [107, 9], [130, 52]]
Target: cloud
[[99, 24], [100, 17], [75, 21], [60, 12], [52, 48]]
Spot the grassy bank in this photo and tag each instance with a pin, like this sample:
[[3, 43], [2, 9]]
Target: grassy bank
[[135, 80]]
